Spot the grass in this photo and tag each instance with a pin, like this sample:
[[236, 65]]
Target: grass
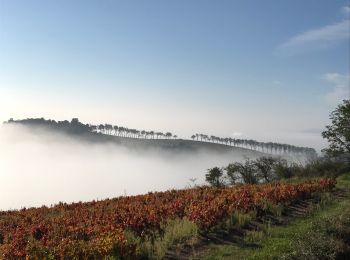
[[318, 235], [155, 246]]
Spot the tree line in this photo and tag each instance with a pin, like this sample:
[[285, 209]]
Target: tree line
[[269, 169], [129, 132], [75, 126], [265, 147]]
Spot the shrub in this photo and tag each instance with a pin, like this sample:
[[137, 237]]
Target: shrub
[[155, 245]]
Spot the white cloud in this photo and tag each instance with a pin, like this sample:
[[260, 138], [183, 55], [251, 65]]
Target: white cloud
[[316, 39], [346, 9], [341, 88]]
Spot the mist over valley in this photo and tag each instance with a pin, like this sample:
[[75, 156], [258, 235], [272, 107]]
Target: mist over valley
[[44, 167]]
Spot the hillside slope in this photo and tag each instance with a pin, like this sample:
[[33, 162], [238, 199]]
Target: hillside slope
[[135, 144]]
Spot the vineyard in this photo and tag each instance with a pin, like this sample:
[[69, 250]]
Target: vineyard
[[97, 229]]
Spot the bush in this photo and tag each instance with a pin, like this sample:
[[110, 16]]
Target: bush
[[267, 169], [155, 246]]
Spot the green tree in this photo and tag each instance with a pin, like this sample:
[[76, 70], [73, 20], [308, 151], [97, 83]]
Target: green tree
[[242, 172], [282, 169], [215, 177], [338, 133], [265, 167]]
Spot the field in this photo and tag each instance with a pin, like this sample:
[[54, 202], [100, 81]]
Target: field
[[321, 232], [138, 226]]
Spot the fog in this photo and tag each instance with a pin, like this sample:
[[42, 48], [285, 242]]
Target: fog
[[43, 168]]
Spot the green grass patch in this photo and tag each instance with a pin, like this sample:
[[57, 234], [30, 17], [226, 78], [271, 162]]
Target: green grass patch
[[318, 235]]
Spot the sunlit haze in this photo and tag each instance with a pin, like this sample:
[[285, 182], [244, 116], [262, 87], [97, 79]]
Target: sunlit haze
[[187, 66]]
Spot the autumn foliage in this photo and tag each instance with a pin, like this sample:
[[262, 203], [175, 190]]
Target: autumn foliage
[[96, 229]]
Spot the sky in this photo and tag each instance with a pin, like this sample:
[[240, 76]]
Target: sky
[[265, 70]]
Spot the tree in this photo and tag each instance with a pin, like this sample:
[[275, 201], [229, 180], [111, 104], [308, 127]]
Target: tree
[[232, 175], [338, 133], [265, 167], [108, 128], [242, 172], [75, 121], [282, 169], [215, 177], [93, 128], [115, 129], [193, 137], [101, 128]]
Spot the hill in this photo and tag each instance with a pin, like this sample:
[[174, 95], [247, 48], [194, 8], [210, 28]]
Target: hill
[[83, 132], [142, 140]]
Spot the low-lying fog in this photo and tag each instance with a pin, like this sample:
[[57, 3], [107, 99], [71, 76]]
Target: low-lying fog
[[44, 168]]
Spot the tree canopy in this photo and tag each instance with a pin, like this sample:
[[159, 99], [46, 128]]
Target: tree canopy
[[338, 132], [215, 177]]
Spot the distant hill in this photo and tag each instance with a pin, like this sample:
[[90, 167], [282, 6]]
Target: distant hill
[[141, 140]]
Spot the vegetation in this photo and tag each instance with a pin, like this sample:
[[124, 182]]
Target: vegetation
[[77, 127], [146, 226], [322, 234], [265, 147], [338, 133], [155, 245], [245, 172], [269, 169], [215, 177], [127, 226]]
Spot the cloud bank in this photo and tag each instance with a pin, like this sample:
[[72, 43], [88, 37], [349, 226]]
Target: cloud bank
[[42, 168]]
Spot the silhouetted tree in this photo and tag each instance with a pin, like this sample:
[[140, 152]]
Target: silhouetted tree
[[215, 177], [108, 128], [101, 128], [115, 129]]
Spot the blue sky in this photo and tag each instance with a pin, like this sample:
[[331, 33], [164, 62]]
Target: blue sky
[[268, 70]]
